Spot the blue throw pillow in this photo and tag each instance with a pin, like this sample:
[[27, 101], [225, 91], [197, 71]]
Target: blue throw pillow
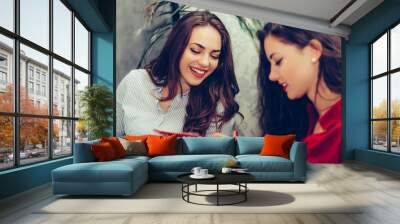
[[249, 145], [208, 145]]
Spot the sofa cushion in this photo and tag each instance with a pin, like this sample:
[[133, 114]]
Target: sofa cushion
[[112, 171], [249, 145], [185, 163], [207, 145], [83, 152], [257, 163], [131, 158]]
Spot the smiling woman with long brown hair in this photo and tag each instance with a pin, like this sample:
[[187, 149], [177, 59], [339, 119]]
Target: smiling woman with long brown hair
[[300, 80], [189, 87]]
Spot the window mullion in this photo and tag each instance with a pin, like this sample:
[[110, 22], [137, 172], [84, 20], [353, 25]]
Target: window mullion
[[16, 84], [50, 81], [371, 89], [389, 106], [73, 82]]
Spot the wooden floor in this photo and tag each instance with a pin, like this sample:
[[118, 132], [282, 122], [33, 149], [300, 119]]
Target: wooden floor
[[378, 188]]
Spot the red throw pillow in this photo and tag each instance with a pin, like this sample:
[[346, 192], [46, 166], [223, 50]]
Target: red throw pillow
[[277, 145], [161, 145], [103, 151], [116, 145]]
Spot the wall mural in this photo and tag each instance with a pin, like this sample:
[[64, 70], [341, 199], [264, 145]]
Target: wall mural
[[186, 70]]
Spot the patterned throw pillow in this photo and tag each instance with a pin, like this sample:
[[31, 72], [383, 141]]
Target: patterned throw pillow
[[134, 147]]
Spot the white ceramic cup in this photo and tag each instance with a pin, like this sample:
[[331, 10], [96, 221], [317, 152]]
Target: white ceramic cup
[[226, 170], [203, 172], [196, 170]]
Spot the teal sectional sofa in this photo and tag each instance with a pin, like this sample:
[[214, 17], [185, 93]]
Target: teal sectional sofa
[[125, 176]]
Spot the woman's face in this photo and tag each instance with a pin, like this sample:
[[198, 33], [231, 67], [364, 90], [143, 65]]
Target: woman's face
[[200, 57], [295, 69]]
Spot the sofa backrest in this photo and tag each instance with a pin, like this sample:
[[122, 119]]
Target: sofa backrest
[[249, 145], [83, 152], [206, 145]]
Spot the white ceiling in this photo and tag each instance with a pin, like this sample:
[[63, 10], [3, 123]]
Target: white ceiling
[[319, 9], [314, 15]]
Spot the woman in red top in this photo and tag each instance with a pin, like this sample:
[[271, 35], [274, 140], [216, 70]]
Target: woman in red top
[[300, 79]]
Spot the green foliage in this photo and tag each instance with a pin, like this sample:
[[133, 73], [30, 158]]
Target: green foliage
[[380, 127], [97, 104]]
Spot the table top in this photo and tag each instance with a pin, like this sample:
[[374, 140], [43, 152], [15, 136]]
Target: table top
[[220, 178]]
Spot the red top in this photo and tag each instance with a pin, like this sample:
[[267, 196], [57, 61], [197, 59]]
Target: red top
[[325, 147]]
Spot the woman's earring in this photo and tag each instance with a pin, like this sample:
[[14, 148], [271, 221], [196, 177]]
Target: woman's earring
[[313, 60]]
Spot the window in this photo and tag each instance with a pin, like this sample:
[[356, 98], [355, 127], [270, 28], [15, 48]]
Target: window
[[7, 14], [385, 94], [3, 78], [34, 26], [7, 84], [62, 30], [3, 71], [81, 45], [37, 74], [38, 89], [54, 125], [62, 75], [3, 61], [30, 72], [43, 90], [55, 100], [30, 88]]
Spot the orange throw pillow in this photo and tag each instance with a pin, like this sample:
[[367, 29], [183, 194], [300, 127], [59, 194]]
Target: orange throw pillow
[[103, 152], [136, 137], [161, 145], [116, 145], [277, 145]]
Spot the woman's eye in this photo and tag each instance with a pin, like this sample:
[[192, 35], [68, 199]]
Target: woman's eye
[[278, 62], [194, 51], [215, 56]]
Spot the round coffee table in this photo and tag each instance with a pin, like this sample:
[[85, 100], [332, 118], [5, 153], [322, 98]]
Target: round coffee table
[[238, 179]]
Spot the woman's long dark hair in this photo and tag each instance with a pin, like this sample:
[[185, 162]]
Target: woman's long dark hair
[[279, 114], [219, 87]]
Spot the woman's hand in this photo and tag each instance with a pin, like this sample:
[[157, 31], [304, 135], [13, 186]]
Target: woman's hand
[[218, 134]]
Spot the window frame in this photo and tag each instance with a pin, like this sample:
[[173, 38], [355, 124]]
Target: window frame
[[16, 114], [388, 74]]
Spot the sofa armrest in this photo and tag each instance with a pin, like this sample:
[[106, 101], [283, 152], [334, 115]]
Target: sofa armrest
[[298, 155], [83, 152]]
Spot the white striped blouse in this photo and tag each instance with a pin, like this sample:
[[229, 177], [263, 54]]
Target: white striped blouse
[[139, 111]]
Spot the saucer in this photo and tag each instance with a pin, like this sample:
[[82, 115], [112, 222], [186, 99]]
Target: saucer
[[240, 171], [208, 176]]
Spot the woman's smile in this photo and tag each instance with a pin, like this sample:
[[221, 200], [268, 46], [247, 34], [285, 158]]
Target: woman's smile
[[197, 72]]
